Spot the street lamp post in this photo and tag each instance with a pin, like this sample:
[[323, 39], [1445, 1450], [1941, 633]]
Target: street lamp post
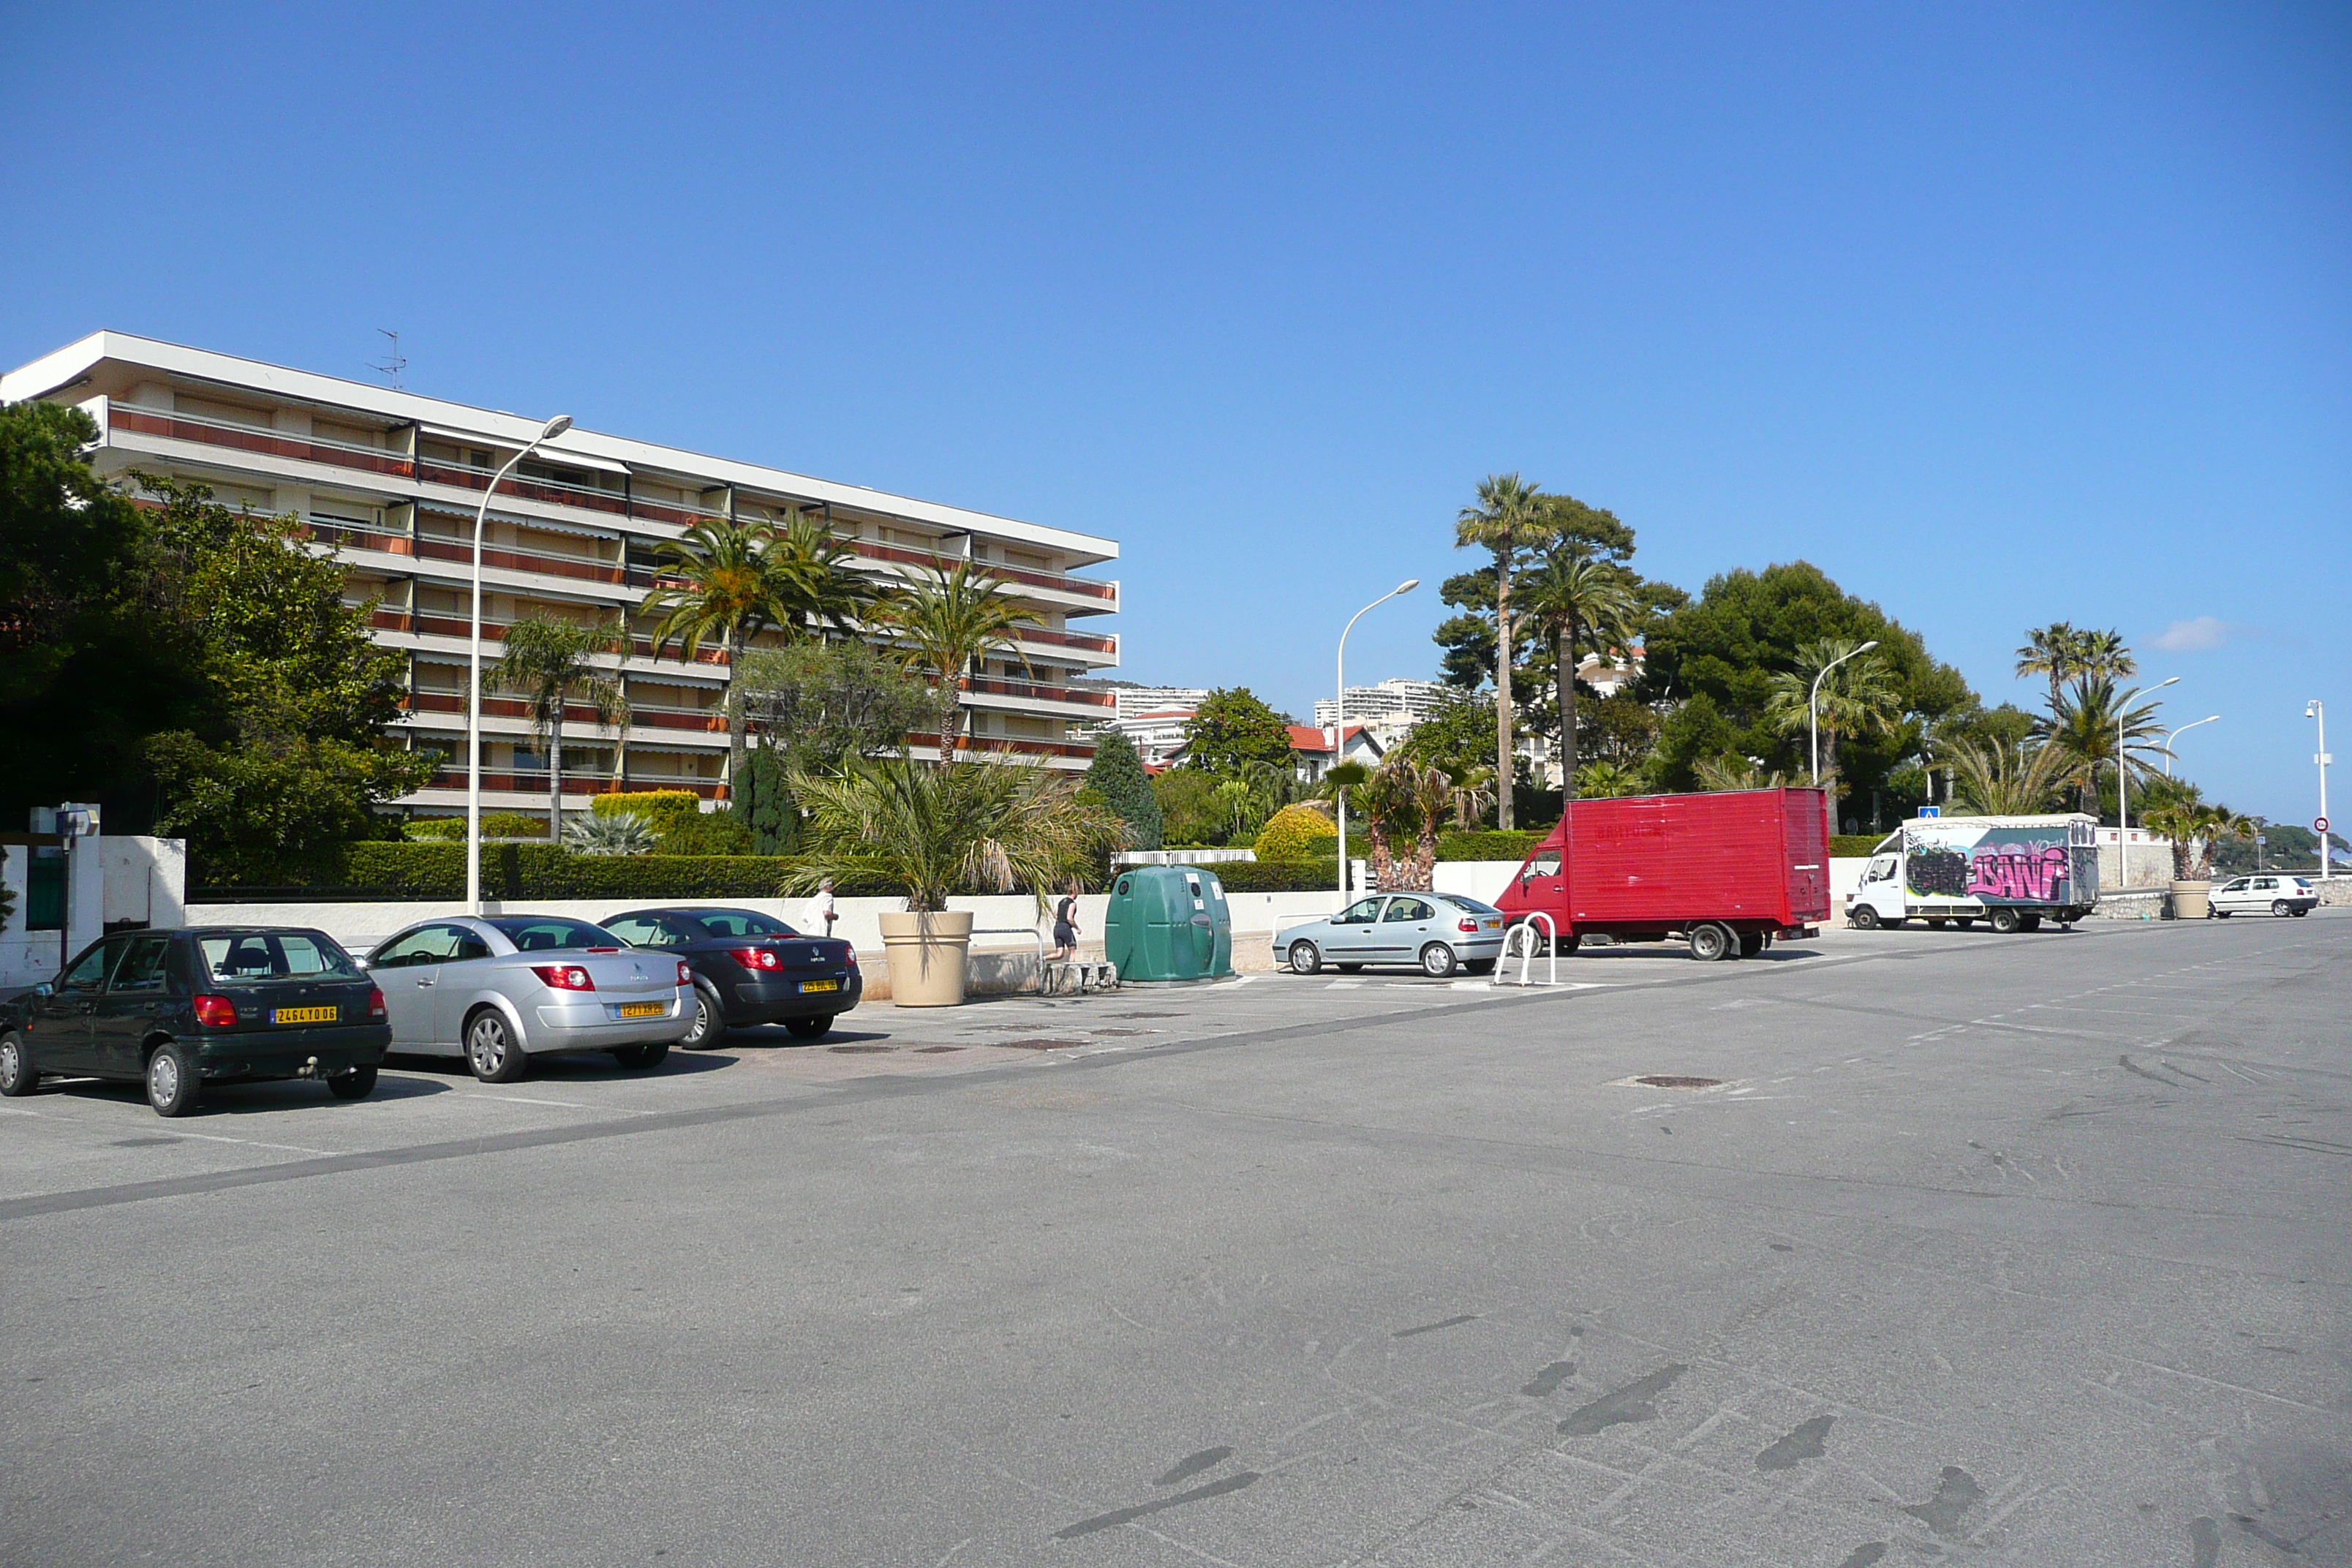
[[1813, 719], [1339, 730], [2123, 782], [2318, 710], [2182, 730], [547, 432]]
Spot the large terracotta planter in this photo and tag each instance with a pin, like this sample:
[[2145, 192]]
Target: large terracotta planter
[[928, 953], [2191, 901]]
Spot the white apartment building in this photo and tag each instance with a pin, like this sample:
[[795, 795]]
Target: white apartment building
[[1156, 737], [1391, 701], [388, 481], [1134, 701]]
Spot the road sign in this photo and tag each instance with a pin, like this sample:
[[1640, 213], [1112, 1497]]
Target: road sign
[[2319, 824], [1931, 811]]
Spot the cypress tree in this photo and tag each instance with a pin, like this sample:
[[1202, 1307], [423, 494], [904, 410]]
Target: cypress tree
[[1118, 777]]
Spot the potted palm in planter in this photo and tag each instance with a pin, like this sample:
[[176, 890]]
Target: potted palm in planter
[[933, 830]]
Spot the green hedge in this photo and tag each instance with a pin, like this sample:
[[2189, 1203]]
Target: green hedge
[[1844, 844], [1512, 845], [510, 871], [1277, 875]]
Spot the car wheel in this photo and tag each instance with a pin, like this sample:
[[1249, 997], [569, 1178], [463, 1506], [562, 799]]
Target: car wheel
[[1861, 917], [172, 1086], [1711, 943], [2300, 914], [709, 1020], [356, 1084], [2282, 908], [642, 1059], [1305, 958], [808, 1028], [491, 1050], [1479, 966], [16, 1074], [1437, 960], [2004, 920]]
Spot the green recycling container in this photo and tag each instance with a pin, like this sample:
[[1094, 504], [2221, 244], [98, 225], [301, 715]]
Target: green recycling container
[[1169, 923]]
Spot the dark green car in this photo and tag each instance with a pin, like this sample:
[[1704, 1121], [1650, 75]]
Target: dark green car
[[182, 1009]]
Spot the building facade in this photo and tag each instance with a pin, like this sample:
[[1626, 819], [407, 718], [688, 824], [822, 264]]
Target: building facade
[[1396, 703], [389, 482]]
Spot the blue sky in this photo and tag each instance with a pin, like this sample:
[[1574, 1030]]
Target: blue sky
[[2000, 314]]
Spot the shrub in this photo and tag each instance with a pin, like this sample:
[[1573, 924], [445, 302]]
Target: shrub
[[1296, 833], [1277, 875], [1492, 845], [608, 832], [437, 829], [1845, 845], [1117, 776], [507, 825], [661, 808], [719, 832]]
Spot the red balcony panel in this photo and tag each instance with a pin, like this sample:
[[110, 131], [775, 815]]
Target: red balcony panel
[[147, 422]]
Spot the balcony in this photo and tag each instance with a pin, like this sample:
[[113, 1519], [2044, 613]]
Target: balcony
[[467, 476], [533, 781], [455, 626], [1030, 691], [252, 438], [438, 547], [1093, 588]]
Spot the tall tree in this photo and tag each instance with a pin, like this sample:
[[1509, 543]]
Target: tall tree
[[818, 705], [1511, 518], [1117, 776], [2051, 652], [718, 584], [1856, 695], [944, 622], [816, 590], [2096, 727], [549, 661], [1584, 603], [1232, 729]]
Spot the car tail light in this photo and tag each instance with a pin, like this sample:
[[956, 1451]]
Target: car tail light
[[1469, 925], [851, 958], [563, 977], [757, 958], [375, 1003], [685, 973], [217, 1012]]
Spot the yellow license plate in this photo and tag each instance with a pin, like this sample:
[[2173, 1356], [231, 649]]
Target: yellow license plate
[[302, 1015], [642, 1009], [820, 985]]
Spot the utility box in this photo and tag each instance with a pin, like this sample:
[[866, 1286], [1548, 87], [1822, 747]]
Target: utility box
[[1168, 924]]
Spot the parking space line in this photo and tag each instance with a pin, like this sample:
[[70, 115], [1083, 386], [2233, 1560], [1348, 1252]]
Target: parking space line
[[248, 1143], [520, 1100]]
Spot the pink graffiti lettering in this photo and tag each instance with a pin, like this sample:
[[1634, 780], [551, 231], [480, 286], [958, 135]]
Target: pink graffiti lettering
[[2014, 871]]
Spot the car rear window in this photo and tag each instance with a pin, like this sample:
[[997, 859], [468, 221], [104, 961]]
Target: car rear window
[[1469, 905], [274, 955], [552, 934], [739, 922]]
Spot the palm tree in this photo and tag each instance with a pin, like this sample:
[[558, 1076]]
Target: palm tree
[[2106, 654], [1575, 595], [816, 591], [944, 622], [1729, 772], [2084, 725], [547, 661], [1471, 791], [933, 831], [1510, 517], [2051, 651], [718, 585], [1858, 697], [1995, 780]]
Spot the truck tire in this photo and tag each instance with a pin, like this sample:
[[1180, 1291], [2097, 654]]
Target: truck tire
[[1751, 944], [1712, 943], [1861, 917], [2005, 921], [2030, 922]]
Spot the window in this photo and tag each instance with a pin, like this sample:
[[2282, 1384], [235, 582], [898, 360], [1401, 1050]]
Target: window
[[1546, 863], [287, 955], [1882, 868], [1401, 909], [1362, 913], [640, 930], [89, 971], [1469, 905], [552, 933], [425, 944], [143, 968], [739, 923]]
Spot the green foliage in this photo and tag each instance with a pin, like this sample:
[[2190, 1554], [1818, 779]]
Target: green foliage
[[2290, 847], [1188, 808], [1602, 781], [507, 825], [1297, 832], [1853, 846], [764, 798], [608, 832], [97, 653], [510, 871], [1117, 779], [661, 808], [945, 622], [932, 830], [1460, 733], [1231, 729], [549, 661], [1278, 875], [719, 832], [821, 704], [436, 829], [1697, 731], [1489, 845]]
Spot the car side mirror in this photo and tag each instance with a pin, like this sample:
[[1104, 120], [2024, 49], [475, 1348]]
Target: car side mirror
[[44, 989]]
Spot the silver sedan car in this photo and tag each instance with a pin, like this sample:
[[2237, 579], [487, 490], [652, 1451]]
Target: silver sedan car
[[1437, 932], [500, 989]]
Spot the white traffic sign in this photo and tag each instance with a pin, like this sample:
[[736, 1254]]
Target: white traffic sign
[[2319, 824]]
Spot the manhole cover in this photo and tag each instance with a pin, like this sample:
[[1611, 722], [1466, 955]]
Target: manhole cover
[[934, 1050], [1039, 1044], [859, 1051], [1667, 1080]]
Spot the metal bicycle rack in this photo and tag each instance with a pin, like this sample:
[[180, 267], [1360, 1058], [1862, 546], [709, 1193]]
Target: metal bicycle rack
[[1527, 952]]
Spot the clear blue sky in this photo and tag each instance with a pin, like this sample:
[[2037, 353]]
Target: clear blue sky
[[2001, 314]]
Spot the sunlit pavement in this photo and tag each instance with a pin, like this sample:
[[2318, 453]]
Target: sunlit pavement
[[2012, 1249]]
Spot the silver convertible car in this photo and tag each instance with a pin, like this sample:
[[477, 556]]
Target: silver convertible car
[[1438, 933], [501, 989]]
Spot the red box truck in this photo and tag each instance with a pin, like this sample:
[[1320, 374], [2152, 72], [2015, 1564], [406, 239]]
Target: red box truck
[[1728, 872]]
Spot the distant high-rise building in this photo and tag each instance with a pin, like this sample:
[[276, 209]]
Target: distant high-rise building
[[1391, 701], [1134, 701]]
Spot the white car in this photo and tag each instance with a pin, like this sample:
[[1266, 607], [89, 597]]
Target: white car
[[2260, 895]]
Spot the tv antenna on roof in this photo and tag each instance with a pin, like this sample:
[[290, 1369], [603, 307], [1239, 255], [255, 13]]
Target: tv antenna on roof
[[392, 362]]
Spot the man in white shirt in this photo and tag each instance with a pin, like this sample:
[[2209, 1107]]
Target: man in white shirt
[[818, 917]]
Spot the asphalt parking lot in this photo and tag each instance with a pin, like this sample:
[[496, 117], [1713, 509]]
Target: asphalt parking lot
[[1931, 1246]]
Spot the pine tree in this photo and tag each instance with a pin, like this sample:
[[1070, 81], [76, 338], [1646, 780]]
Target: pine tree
[[1117, 776]]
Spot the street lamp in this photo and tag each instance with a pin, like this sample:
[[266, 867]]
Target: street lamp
[[2318, 710], [2182, 730], [547, 432], [1339, 730], [1814, 705], [2123, 780]]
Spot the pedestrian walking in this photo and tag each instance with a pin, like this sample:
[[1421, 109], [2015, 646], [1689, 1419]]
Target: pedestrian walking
[[1065, 925], [817, 918]]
